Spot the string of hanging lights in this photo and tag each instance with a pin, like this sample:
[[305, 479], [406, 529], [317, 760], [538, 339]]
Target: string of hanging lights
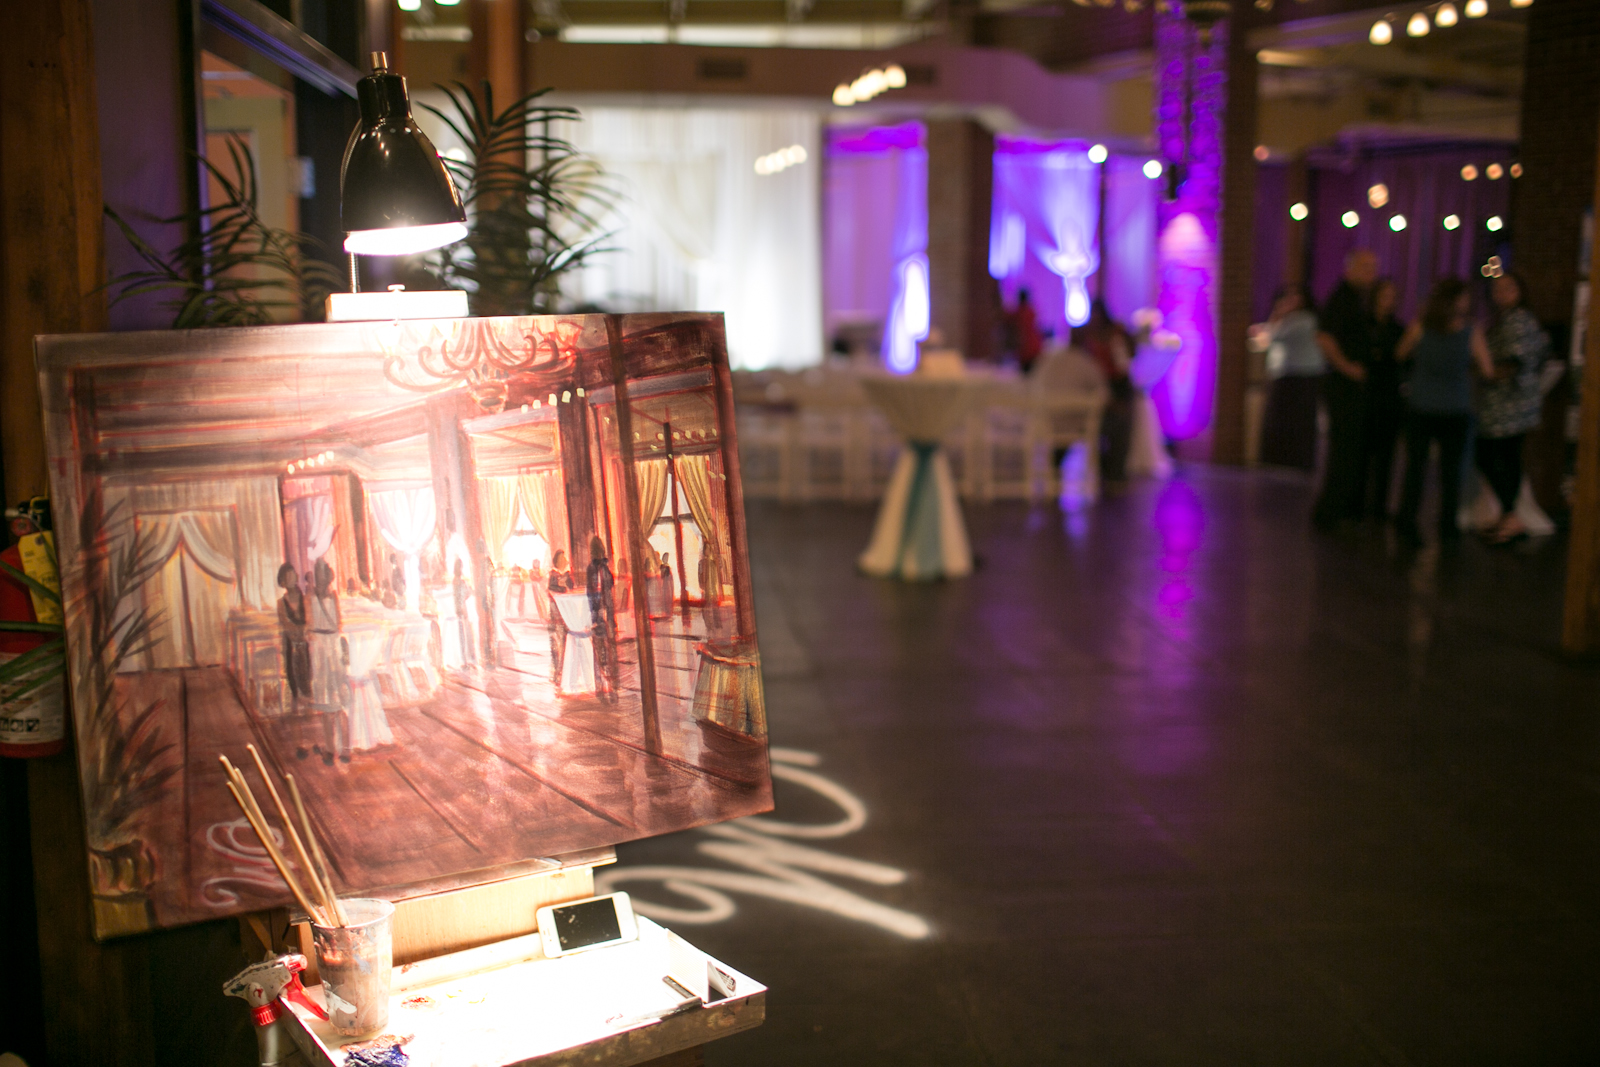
[[1442, 16]]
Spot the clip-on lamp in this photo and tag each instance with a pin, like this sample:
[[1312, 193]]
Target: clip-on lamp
[[396, 199]]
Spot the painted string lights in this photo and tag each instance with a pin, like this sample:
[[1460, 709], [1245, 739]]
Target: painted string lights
[[869, 85]]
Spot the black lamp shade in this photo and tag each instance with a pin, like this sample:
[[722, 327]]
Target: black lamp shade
[[392, 177]]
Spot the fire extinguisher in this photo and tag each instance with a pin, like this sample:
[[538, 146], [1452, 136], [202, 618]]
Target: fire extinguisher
[[32, 653]]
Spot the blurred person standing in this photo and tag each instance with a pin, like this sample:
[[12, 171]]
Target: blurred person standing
[[1289, 424], [1443, 347], [1109, 346], [1345, 336], [1509, 399], [1025, 331], [1385, 406]]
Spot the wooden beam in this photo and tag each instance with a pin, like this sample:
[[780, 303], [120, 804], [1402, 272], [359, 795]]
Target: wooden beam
[[1228, 440], [1580, 633]]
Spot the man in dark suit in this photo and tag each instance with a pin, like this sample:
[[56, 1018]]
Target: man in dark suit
[[1345, 337]]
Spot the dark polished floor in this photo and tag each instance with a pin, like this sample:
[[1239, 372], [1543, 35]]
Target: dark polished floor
[[1171, 781]]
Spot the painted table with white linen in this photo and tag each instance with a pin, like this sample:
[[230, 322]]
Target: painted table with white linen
[[577, 660], [920, 534]]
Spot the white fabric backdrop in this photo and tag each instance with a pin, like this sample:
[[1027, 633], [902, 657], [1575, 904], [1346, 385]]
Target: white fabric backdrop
[[700, 230]]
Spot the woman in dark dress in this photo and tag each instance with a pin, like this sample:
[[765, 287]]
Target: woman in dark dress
[[292, 627], [1385, 407], [603, 616], [1509, 403], [1443, 348], [560, 582]]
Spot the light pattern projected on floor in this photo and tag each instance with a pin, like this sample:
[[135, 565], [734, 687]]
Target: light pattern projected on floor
[[764, 846]]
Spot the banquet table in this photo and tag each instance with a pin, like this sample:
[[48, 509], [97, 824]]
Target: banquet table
[[920, 534], [577, 660]]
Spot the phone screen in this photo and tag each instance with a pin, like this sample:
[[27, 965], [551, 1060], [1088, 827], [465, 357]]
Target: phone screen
[[589, 923]]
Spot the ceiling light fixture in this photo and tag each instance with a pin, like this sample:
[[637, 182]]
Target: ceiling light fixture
[[1469, 173], [1152, 169], [1098, 153], [1521, 3], [1452, 222], [1418, 25], [1495, 223], [395, 197], [1397, 223], [1378, 195], [1476, 9], [1350, 219], [1494, 172], [1381, 33], [1516, 170], [1445, 17], [781, 160], [1299, 212]]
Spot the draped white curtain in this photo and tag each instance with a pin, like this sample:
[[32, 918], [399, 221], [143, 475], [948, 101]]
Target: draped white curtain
[[194, 587], [406, 520], [695, 474], [699, 230], [543, 501]]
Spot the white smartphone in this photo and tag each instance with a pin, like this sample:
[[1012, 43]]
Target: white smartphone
[[579, 925]]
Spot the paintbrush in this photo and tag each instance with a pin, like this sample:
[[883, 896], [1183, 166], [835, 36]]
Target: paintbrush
[[258, 822]]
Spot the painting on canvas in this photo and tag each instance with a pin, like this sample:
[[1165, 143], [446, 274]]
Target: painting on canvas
[[479, 585]]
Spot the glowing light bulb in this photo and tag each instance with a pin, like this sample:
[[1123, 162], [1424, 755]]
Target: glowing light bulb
[[1299, 212], [1446, 15], [1397, 223], [1262, 153], [410, 5], [894, 75], [1378, 195], [1476, 9], [1152, 169], [1350, 219], [1495, 223], [1516, 170], [1098, 153], [1452, 222], [842, 96], [1521, 3], [1494, 172], [1381, 32], [403, 240], [1418, 25], [1469, 173]]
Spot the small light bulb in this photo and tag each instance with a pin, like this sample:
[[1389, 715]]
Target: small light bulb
[[1469, 173], [1516, 170], [842, 96], [1098, 153], [895, 76], [1476, 9], [1418, 25], [1299, 212], [1152, 169], [290, 468], [566, 396], [1494, 172], [1381, 33], [1350, 219], [1378, 195], [1397, 223], [410, 5], [1446, 15], [1521, 3], [1262, 153], [1495, 223], [1452, 222]]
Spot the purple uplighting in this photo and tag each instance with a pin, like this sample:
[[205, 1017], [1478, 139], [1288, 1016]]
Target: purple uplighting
[[1188, 225], [1042, 228]]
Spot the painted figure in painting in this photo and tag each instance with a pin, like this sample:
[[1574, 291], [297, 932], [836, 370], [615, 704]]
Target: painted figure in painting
[[292, 625], [328, 688], [421, 553]]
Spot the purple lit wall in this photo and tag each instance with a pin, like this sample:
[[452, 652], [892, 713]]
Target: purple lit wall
[[1129, 278], [875, 192], [1424, 185], [1189, 225], [1043, 228]]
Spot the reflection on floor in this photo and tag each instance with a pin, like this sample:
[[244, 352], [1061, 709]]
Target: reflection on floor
[[1173, 781], [495, 768]]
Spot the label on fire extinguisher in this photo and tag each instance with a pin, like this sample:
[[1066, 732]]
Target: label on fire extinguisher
[[35, 717]]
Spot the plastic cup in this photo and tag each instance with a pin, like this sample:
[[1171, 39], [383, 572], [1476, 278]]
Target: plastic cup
[[355, 963]]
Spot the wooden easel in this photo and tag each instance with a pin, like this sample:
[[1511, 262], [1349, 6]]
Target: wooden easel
[[440, 923]]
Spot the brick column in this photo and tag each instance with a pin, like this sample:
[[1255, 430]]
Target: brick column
[[960, 190]]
